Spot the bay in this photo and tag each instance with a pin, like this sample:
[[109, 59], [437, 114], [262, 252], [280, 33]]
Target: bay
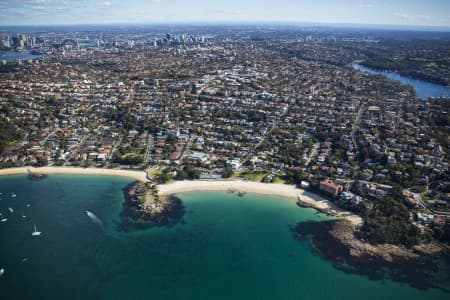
[[423, 89], [12, 55], [226, 247]]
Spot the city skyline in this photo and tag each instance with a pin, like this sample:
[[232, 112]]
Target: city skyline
[[59, 12]]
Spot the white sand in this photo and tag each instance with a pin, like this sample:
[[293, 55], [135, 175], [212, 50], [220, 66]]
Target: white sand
[[137, 175], [275, 189], [283, 190]]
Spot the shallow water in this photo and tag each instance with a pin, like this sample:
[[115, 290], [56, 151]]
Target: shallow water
[[226, 247]]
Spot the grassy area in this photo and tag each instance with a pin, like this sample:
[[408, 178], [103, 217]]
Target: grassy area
[[255, 176], [236, 175], [155, 172], [158, 173], [10, 145], [278, 179]]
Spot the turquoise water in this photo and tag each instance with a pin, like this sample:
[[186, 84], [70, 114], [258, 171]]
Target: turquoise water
[[423, 89], [226, 247]]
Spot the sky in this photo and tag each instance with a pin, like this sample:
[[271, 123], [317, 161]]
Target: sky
[[393, 12]]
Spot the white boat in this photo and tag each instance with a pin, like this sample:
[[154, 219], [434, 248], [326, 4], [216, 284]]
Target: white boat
[[94, 218], [2, 271], [4, 220], [23, 216], [13, 195], [35, 232], [28, 205], [10, 210]]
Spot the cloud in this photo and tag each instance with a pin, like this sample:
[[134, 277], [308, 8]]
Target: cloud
[[226, 12], [36, 1], [414, 18], [30, 2], [367, 5], [107, 3]]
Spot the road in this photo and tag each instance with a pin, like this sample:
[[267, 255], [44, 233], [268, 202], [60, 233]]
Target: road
[[263, 138], [188, 146], [355, 145], [312, 154], [355, 125], [44, 141], [150, 143]]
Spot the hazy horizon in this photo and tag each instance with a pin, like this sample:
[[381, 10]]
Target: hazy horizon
[[395, 13], [342, 26]]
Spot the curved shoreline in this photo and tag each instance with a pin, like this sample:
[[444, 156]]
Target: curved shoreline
[[137, 175], [274, 189], [240, 186]]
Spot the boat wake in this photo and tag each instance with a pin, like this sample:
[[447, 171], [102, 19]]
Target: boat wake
[[94, 218]]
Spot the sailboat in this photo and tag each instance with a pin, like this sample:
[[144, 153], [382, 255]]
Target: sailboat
[[2, 271], [10, 210], [35, 232]]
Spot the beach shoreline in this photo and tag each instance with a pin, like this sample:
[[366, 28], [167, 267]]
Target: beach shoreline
[[178, 187], [273, 189], [136, 175]]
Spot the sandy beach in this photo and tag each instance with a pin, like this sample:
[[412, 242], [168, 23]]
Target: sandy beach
[[283, 190], [137, 175], [274, 189]]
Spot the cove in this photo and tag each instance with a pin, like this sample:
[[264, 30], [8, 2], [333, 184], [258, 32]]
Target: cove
[[423, 89], [226, 247]]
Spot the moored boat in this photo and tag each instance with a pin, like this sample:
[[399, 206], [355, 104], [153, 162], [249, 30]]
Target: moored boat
[[35, 232]]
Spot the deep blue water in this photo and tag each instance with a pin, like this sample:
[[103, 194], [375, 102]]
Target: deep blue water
[[423, 89]]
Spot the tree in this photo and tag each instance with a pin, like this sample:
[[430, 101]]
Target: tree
[[165, 176], [60, 162], [227, 172], [41, 162], [388, 222], [8, 134], [181, 175], [129, 159], [192, 172]]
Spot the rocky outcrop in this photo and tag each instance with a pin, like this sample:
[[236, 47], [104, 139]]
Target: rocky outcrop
[[344, 231]]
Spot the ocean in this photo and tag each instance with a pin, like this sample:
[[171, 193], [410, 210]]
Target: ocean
[[225, 247]]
